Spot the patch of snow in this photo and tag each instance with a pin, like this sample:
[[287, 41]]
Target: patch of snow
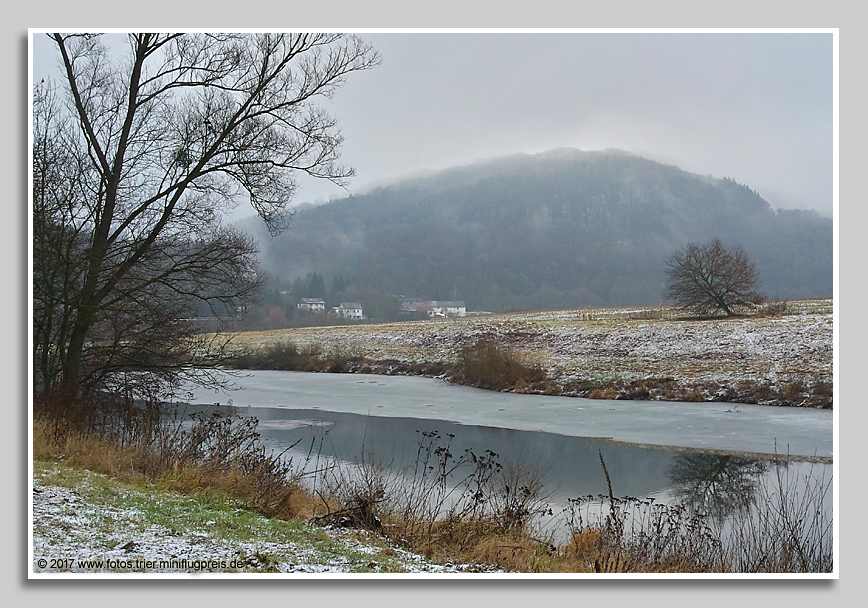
[[91, 538]]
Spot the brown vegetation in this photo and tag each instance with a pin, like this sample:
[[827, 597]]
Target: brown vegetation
[[136, 442], [464, 508], [491, 366]]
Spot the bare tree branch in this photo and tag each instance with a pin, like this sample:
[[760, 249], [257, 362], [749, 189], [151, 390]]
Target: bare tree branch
[[132, 173]]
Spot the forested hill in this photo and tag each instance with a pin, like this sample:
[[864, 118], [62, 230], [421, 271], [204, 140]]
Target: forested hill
[[562, 229]]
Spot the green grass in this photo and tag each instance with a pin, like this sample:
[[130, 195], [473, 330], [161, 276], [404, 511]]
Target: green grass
[[122, 512]]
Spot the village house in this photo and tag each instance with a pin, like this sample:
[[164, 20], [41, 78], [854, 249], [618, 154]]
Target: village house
[[312, 304], [448, 308], [349, 310], [434, 308], [413, 305]]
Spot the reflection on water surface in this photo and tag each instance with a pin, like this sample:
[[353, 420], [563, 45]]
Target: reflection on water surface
[[709, 483]]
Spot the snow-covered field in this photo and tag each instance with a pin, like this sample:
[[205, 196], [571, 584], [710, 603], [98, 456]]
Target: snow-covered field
[[606, 344]]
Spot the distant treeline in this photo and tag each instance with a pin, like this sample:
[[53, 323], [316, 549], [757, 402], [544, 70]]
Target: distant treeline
[[558, 230]]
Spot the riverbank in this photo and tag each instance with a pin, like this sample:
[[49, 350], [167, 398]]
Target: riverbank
[[612, 353], [86, 522], [120, 521]]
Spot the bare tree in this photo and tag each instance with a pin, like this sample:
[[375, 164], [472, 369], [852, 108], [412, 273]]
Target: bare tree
[[707, 279], [134, 163]]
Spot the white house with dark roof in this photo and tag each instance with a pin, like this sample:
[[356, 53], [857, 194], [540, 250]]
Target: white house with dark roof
[[312, 304], [349, 310]]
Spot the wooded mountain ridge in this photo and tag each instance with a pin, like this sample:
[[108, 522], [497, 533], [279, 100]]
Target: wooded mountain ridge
[[562, 229]]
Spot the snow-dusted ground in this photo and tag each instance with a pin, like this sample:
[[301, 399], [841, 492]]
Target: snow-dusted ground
[[606, 344], [88, 535]]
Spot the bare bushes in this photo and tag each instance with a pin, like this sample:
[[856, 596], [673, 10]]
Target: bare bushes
[[798, 393], [491, 366], [469, 507], [463, 505], [223, 452], [818, 394], [288, 356], [122, 419], [787, 528], [609, 534], [284, 356], [443, 504], [483, 365]]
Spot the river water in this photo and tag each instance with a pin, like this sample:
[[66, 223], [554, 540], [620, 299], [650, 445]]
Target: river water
[[731, 427], [703, 454]]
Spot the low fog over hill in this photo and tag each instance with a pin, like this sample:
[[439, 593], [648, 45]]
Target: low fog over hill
[[562, 229]]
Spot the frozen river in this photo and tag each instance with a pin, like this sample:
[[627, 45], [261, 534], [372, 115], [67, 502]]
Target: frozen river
[[744, 428], [706, 454]]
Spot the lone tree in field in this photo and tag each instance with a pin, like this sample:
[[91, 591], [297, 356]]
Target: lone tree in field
[[708, 279], [138, 150]]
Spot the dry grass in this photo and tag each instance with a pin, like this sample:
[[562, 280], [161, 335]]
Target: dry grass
[[666, 539], [203, 455]]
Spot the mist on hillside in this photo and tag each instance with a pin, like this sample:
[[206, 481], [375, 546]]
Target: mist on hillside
[[563, 229]]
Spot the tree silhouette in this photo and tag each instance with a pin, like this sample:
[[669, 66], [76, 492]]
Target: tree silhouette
[[706, 279], [136, 158]]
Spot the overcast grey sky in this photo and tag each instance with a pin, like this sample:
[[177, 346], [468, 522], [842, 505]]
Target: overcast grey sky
[[756, 107]]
